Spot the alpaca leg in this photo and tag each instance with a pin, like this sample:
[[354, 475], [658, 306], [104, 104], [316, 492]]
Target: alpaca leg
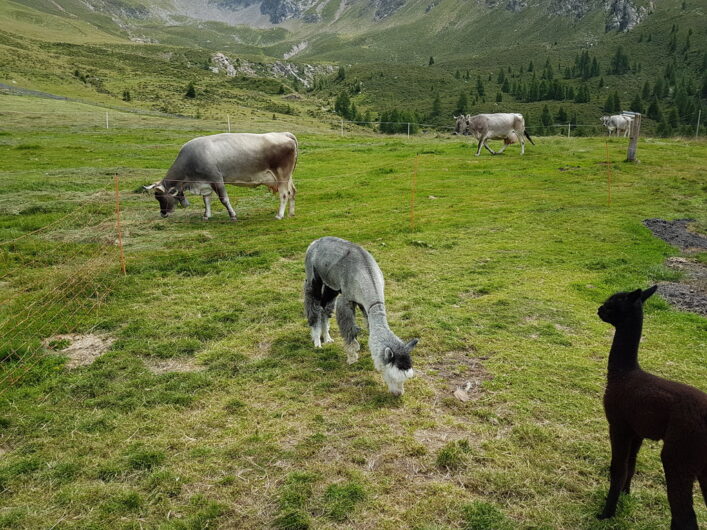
[[703, 484], [679, 483], [346, 318], [313, 308], [328, 303], [635, 447], [620, 450]]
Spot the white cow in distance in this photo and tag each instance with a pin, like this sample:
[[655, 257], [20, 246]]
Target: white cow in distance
[[498, 126], [620, 124]]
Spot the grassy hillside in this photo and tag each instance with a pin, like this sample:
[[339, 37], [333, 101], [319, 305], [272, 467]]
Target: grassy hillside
[[210, 407], [75, 53]]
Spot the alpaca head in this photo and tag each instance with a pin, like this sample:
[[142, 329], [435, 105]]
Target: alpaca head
[[397, 366], [622, 306]]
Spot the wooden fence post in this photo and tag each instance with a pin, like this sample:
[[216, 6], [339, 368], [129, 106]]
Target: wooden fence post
[[635, 133]]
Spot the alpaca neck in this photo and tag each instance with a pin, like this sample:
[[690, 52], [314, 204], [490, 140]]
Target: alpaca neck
[[623, 356], [379, 334]]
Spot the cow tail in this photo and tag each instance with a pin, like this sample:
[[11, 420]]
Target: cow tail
[[293, 189], [528, 137]]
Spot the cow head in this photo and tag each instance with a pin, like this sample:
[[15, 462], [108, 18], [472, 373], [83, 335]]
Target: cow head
[[462, 125], [167, 197], [604, 120]]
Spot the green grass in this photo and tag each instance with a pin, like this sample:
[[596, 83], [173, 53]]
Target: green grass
[[503, 270]]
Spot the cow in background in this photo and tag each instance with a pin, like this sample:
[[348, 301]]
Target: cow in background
[[620, 124], [205, 164], [499, 126]]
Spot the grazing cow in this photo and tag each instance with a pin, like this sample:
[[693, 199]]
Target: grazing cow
[[205, 164], [618, 123], [499, 126]]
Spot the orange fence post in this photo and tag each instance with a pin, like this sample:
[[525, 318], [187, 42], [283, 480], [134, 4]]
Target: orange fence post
[[412, 193], [608, 169], [118, 228]]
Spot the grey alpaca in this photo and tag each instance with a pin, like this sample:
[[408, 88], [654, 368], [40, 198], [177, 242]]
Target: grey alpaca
[[338, 268]]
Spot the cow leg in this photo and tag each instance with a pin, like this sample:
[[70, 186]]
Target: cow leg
[[478, 147], [220, 190], [284, 193], [522, 144], [502, 148], [487, 147], [207, 206], [293, 192]]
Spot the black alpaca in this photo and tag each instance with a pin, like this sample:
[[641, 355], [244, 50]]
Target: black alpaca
[[640, 405]]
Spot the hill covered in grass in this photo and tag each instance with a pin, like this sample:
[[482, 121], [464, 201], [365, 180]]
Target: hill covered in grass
[[556, 61]]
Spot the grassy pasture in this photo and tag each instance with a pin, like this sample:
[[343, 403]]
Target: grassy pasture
[[500, 277]]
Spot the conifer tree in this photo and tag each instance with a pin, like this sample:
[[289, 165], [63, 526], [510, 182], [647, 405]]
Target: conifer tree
[[673, 119], [191, 91], [637, 104], [646, 92], [480, 87], [654, 111], [431, 61], [619, 62], [436, 106], [462, 104]]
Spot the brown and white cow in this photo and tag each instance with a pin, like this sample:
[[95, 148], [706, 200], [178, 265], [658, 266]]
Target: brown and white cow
[[499, 126], [205, 164]]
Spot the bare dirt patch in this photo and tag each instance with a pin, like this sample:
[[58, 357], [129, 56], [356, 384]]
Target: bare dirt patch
[[691, 293], [677, 233], [164, 366], [81, 350], [458, 370]]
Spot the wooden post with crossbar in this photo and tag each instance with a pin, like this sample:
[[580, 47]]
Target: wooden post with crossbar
[[635, 131]]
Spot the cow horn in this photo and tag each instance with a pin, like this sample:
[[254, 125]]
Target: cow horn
[[148, 188]]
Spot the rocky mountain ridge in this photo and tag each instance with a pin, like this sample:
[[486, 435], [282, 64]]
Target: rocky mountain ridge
[[621, 15]]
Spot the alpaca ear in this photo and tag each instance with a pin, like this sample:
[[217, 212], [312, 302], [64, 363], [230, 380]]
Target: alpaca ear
[[410, 345], [634, 295], [645, 295], [388, 355]]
